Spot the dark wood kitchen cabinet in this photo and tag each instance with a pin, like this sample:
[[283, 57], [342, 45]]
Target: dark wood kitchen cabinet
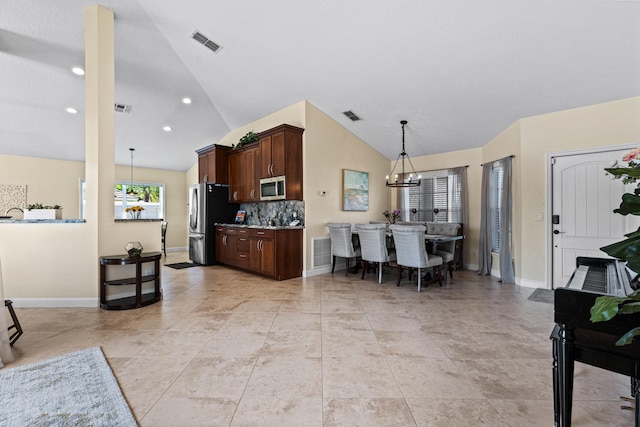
[[281, 155], [244, 184], [213, 164], [274, 253], [242, 248], [262, 254], [225, 245]]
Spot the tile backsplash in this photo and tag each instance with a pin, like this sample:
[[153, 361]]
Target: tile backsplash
[[281, 212]]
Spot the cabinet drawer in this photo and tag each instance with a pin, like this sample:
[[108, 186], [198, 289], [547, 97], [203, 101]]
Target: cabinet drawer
[[242, 244], [243, 258], [230, 230], [220, 229], [262, 232]]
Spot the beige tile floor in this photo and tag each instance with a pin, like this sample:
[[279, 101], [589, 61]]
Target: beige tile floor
[[226, 348]]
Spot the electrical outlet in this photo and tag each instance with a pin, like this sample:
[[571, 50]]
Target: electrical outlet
[[537, 216]]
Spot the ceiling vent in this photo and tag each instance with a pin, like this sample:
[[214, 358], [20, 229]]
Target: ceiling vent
[[351, 115], [204, 40], [122, 108]]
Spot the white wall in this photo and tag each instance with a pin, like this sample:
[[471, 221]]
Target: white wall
[[50, 260]]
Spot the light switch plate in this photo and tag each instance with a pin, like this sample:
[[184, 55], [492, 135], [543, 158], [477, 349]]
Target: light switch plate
[[537, 216]]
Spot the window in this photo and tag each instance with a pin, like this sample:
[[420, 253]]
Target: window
[[148, 196], [497, 172], [438, 198]]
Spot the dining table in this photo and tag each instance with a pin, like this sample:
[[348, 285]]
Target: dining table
[[432, 239]]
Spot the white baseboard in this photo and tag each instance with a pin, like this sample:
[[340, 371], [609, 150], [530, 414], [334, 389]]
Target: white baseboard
[[526, 283], [316, 271], [178, 249], [54, 302]]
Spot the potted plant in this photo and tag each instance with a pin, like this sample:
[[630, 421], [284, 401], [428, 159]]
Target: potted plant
[[607, 307], [248, 138], [40, 211]]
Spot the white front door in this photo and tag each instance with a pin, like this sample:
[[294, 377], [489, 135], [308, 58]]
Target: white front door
[[583, 200]]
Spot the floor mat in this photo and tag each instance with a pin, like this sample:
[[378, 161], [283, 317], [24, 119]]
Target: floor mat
[[180, 265], [542, 295]]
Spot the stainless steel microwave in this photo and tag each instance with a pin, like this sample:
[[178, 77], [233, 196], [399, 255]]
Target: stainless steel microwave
[[273, 188]]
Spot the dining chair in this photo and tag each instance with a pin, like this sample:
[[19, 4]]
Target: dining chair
[[445, 250], [373, 247], [341, 244], [411, 251], [163, 228]]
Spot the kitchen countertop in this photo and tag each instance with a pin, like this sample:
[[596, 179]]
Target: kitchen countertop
[[266, 227], [42, 221]]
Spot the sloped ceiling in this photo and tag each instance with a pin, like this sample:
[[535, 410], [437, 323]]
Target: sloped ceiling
[[459, 72]]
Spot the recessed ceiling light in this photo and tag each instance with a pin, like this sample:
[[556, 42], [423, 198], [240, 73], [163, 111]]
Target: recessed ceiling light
[[77, 70], [167, 128], [186, 100], [71, 110]]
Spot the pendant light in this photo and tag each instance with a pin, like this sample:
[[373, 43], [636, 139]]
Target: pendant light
[[413, 180], [131, 182]]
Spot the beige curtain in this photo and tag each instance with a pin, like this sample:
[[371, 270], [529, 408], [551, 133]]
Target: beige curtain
[[6, 356]]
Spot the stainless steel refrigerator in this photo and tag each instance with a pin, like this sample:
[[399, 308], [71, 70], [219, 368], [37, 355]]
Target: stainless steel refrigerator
[[208, 204]]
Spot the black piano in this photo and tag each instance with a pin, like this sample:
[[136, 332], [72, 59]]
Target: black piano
[[576, 338]]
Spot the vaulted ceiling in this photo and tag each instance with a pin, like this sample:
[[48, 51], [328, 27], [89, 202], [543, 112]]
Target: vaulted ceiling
[[460, 72]]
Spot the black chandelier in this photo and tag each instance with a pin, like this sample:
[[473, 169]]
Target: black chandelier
[[404, 180]]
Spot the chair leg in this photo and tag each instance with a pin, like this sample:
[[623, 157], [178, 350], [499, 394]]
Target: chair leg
[[451, 269], [16, 324], [365, 266], [379, 272], [438, 272], [419, 279], [346, 269], [333, 264], [399, 274]]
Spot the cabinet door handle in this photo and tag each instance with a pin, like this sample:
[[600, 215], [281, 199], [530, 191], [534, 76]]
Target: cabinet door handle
[[252, 193], [206, 178], [260, 245]]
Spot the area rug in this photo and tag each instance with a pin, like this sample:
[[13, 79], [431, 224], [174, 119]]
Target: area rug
[[180, 265], [542, 295], [77, 389]]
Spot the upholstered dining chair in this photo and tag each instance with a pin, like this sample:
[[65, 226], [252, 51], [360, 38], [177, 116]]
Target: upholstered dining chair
[[411, 251], [341, 244], [373, 246], [445, 250]]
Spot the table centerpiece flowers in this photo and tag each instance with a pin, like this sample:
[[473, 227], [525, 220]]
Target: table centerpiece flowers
[[135, 211], [392, 216]]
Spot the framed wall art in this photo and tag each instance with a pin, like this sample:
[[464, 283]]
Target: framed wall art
[[355, 190]]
